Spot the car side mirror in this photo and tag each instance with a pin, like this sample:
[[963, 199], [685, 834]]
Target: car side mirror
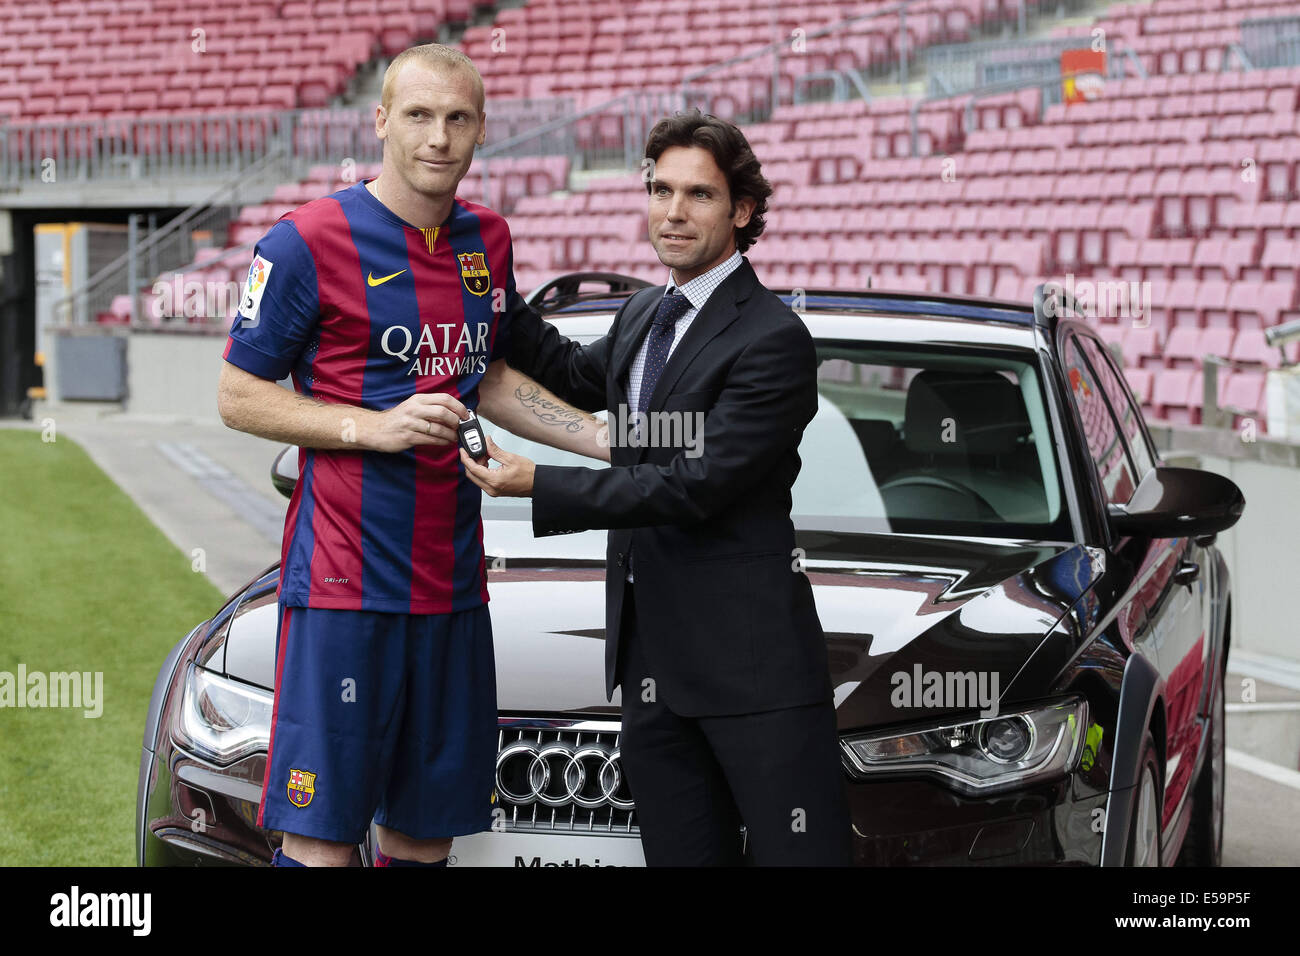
[[284, 470], [1175, 502]]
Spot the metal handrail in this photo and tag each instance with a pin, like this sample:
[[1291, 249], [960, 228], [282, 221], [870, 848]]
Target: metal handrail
[[631, 106], [202, 144], [1006, 86], [941, 61], [1272, 41], [77, 303], [775, 47]]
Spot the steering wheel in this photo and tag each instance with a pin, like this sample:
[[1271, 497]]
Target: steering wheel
[[984, 510]]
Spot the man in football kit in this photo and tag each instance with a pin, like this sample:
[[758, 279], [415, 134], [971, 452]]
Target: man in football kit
[[386, 302]]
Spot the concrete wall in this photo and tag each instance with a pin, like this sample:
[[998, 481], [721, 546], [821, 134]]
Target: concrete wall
[[1263, 555], [170, 374], [1263, 549], [174, 374]]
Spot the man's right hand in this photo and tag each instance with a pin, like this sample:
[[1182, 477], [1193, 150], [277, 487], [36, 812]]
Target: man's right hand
[[261, 407], [423, 419]]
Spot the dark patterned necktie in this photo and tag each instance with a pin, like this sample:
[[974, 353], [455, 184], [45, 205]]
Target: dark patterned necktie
[[671, 308]]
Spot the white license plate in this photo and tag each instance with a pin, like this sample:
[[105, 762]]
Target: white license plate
[[544, 850]]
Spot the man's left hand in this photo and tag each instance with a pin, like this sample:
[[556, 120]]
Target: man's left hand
[[514, 479]]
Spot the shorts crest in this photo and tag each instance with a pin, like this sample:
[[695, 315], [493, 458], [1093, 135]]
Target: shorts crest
[[302, 787]]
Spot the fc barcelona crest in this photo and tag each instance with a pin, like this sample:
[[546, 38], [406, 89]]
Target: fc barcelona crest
[[302, 787], [474, 272]]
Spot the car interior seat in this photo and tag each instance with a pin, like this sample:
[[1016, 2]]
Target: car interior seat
[[966, 436]]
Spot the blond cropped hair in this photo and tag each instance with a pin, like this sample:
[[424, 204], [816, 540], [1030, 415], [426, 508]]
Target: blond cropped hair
[[431, 55]]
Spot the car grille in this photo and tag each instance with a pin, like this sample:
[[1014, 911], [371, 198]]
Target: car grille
[[562, 775]]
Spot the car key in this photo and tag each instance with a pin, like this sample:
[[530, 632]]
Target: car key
[[472, 438]]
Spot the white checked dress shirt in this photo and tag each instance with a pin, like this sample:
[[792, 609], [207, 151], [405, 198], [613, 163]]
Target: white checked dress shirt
[[697, 292]]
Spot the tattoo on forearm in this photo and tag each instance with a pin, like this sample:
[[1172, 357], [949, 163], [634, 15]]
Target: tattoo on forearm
[[547, 411]]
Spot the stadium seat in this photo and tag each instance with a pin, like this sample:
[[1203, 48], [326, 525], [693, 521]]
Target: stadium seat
[[1144, 184], [1177, 396]]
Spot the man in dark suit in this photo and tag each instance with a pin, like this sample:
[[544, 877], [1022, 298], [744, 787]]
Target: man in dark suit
[[711, 628]]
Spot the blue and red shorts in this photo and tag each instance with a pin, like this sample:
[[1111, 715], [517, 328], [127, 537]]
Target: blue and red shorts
[[384, 716]]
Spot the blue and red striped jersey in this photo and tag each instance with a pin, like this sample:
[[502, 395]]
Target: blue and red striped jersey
[[365, 309]]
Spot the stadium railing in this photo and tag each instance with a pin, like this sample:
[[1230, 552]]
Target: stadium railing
[[956, 68], [1271, 41], [1050, 87], [195, 145], [174, 244], [144, 149]]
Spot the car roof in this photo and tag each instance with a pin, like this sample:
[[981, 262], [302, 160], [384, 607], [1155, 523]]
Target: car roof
[[914, 318]]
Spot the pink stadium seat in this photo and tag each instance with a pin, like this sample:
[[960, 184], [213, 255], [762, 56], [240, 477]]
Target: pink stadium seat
[[1142, 348], [1144, 184], [1180, 300], [121, 306], [1265, 301], [1216, 341], [1212, 303], [1244, 390], [1177, 396], [1251, 349], [1183, 349], [1113, 334], [1281, 258], [1141, 381], [1277, 159]]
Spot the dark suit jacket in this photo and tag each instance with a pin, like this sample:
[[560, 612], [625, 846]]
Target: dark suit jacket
[[727, 623]]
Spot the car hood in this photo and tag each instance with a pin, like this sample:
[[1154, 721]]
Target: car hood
[[890, 605]]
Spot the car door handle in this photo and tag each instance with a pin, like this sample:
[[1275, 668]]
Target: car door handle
[[1188, 571]]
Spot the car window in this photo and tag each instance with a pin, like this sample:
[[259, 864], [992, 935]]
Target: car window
[[929, 442], [1099, 427], [1120, 404], [909, 441]]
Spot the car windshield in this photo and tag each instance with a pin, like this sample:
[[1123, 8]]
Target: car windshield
[[914, 441]]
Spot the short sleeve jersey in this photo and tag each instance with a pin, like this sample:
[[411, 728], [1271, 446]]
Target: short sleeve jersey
[[363, 308]]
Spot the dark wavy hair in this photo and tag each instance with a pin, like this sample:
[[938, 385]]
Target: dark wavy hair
[[730, 150]]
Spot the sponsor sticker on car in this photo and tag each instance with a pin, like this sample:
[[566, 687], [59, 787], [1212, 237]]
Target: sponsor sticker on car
[[540, 850]]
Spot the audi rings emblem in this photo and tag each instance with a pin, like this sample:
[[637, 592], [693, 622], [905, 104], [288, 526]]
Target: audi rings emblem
[[560, 773]]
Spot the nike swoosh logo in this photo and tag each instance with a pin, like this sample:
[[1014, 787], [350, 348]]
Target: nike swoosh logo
[[372, 281]]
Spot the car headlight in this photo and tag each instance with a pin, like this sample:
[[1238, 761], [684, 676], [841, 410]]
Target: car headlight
[[980, 756], [222, 720]]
